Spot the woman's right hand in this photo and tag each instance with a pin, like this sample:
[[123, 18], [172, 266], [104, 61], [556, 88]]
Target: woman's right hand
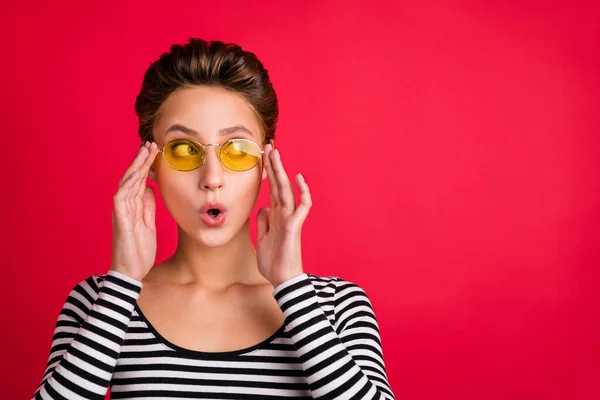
[[133, 218]]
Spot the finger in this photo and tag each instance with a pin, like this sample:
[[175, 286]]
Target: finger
[[286, 193], [271, 176], [125, 188], [145, 168], [119, 199], [305, 199], [137, 187], [131, 200], [137, 162]]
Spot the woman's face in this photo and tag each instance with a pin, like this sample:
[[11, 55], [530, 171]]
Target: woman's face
[[207, 111]]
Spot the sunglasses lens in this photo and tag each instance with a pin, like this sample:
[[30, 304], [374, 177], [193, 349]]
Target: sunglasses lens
[[184, 155], [240, 154]]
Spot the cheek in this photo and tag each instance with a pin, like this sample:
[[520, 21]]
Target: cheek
[[175, 188], [243, 189]]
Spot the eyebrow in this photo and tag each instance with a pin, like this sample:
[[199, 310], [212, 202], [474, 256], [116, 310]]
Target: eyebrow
[[222, 132]]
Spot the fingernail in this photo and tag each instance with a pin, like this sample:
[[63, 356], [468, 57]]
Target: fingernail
[[140, 150], [277, 153]]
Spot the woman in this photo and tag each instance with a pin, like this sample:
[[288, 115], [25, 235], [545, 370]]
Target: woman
[[219, 319]]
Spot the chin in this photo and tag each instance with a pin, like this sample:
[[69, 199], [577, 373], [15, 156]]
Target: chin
[[213, 237]]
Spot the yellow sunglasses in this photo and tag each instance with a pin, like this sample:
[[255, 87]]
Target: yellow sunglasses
[[236, 154]]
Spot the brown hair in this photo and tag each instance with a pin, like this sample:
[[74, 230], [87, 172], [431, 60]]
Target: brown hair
[[207, 63]]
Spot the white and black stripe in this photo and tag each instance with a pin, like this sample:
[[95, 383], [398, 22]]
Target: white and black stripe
[[328, 348]]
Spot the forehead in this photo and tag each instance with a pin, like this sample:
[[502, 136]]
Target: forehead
[[206, 110]]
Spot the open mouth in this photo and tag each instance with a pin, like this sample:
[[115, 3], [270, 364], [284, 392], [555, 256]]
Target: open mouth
[[213, 212]]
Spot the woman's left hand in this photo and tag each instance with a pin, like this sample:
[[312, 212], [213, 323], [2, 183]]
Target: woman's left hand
[[278, 246]]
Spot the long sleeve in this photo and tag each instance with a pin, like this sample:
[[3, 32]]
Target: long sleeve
[[88, 336], [342, 358]]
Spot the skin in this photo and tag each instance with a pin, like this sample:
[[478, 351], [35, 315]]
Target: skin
[[214, 293]]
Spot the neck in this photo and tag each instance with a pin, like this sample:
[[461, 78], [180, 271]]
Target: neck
[[216, 267]]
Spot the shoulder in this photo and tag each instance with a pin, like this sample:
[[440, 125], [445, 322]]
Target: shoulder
[[88, 287], [331, 290], [338, 288], [81, 298], [85, 293], [94, 283], [349, 302], [87, 290]]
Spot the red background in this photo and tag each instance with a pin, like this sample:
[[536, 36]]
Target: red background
[[452, 149]]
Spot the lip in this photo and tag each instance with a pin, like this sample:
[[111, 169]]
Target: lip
[[213, 222]]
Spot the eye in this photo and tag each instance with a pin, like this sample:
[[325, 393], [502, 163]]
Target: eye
[[239, 146], [184, 148], [236, 148]]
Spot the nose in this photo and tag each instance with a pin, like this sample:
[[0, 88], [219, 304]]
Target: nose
[[212, 173]]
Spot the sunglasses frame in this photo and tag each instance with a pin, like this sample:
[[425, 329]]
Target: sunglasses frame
[[204, 146]]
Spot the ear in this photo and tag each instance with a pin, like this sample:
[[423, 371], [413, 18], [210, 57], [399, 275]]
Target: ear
[[152, 174], [264, 172]]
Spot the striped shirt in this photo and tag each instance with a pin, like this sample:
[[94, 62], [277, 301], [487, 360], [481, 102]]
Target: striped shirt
[[328, 348]]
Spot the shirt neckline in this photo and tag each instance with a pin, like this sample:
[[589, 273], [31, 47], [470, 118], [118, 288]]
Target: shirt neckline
[[208, 354]]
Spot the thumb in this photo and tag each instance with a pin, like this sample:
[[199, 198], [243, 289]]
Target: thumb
[[262, 222], [149, 207]]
